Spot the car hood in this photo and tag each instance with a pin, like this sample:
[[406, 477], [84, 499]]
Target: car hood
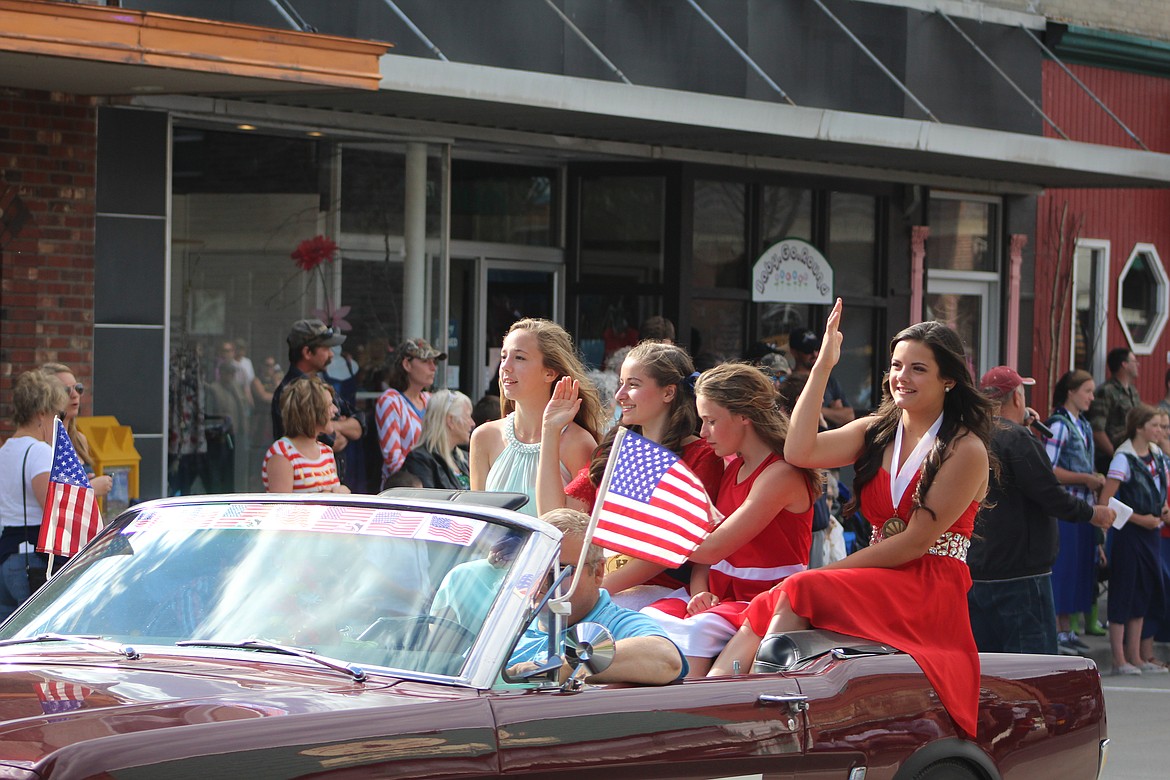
[[50, 701]]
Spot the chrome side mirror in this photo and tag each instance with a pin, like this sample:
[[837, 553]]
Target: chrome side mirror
[[589, 650]]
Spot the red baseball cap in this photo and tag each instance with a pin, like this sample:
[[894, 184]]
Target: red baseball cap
[[1001, 381]]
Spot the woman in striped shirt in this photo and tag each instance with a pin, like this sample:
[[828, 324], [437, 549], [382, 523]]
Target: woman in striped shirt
[[297, 462]]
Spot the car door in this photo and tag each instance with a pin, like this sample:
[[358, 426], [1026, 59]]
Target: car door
[[749, 726]]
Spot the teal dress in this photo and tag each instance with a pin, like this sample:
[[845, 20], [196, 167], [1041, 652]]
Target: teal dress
[[514, 471]]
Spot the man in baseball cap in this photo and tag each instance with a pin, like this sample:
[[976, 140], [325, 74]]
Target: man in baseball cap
[[1001, 381], [1010, 600], [805, 346], [310, 348]]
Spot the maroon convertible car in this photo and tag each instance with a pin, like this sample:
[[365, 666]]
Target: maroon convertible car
[[340, 636]]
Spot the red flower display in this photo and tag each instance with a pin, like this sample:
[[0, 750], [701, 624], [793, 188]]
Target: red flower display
[[314, 251]]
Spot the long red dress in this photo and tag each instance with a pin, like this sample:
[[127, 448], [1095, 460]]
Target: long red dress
[[780, 549], [919, 607]]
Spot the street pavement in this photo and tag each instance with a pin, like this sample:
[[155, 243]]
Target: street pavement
[[1136, 710]]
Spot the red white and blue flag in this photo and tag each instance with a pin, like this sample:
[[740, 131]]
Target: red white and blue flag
[[653, 506], [59, 697], [441, 528], [71, 517]]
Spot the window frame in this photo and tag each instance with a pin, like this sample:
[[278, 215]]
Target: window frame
[[1160, 314]]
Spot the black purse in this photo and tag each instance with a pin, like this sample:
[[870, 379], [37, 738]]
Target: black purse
[[37, 575]]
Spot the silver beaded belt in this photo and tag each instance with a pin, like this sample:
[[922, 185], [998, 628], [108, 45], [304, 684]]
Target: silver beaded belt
[[949, 545]]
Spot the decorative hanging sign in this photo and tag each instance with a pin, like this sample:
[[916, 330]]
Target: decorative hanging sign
[[792, 271]]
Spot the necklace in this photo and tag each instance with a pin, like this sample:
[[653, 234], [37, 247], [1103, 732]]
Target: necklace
[[900, 476]]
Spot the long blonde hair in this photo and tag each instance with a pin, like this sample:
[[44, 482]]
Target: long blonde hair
[[557, 353], [80, 443]]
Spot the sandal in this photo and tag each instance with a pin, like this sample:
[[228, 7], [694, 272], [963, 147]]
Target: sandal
[[1126, 669], [1154, 666]]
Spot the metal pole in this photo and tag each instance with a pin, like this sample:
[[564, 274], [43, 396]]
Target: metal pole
[[1084, 86], [873, 57], [280, 10], [600, 55], [1000, 71], [414, 29], [746, 58]]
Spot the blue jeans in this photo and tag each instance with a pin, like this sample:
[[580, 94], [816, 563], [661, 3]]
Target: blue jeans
[[14, 587], [1013, 616]]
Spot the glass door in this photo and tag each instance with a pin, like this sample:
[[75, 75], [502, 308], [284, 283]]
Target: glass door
[[967, 306]]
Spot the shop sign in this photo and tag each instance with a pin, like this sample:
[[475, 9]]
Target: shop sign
[[792, 271]]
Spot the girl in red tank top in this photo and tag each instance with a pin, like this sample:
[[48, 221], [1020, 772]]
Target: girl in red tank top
[[922, 469], [768, 509]]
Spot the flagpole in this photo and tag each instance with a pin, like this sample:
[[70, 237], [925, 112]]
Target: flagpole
[[601, 490]]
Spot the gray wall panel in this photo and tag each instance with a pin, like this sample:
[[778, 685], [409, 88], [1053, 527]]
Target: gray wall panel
[[128, 376], [130, 271], [137, 142]]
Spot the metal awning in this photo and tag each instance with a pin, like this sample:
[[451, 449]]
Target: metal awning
[[557, 112]]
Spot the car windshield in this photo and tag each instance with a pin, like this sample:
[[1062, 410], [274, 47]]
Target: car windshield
[[401, 588]]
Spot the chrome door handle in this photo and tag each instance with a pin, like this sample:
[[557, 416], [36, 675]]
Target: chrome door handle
[[794, 701]]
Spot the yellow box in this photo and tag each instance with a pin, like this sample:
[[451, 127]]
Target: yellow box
[[111, 445]]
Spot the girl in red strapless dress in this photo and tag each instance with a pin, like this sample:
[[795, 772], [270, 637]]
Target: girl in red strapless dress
[[907, 589]]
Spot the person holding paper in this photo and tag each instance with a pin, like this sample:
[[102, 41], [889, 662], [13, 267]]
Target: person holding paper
[[1138, 477], [1012, 552], [922, 472]]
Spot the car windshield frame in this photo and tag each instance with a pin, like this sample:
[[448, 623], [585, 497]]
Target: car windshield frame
[[165, 527]]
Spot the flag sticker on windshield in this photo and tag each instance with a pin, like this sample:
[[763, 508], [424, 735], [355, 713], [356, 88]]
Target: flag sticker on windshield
[[327, 518]]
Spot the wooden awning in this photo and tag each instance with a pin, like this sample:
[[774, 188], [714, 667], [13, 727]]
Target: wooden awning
[[137, 52]]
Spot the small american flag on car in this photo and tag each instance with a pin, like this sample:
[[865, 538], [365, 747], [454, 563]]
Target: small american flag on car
[[71, 517], [652, 506], [442, 528]]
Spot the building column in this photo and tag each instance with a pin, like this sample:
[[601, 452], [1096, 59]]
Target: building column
[[415, 238], [918, 237], [1015, 263]]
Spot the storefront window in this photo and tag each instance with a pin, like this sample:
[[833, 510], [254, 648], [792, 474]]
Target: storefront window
[[1142, 290], [786, 212], [622, 223], [505, 204], [720, 244], [852, 249], [963, 234], [717, 331]]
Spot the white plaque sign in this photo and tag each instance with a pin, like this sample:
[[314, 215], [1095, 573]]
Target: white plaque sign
[[792, 271]]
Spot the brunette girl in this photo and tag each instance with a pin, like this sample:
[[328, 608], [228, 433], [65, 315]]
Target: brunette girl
[[297, 462], [656, 398], [1072, 452], [922, 470], [1137, 477]]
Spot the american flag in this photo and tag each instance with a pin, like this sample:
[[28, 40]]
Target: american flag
[[58, 697], [449, 529], [395, 523], [342, 519], [71, 517], [653, 507]]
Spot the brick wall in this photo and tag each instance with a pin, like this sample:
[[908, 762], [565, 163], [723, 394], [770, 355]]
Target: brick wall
[[48, 146]]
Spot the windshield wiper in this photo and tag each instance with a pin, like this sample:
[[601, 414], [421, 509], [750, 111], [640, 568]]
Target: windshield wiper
[[356, 672], [89, 640]]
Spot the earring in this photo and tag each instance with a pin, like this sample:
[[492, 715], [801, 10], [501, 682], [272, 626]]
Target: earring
[[948, 388]]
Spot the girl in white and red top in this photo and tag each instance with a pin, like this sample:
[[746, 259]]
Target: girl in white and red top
[[399, 411], [297, 462]]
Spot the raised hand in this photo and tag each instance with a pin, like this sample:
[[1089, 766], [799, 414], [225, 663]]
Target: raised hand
[[564, 404], [831, 343]]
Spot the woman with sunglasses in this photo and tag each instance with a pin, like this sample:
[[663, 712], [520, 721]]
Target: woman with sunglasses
[[62, 373]]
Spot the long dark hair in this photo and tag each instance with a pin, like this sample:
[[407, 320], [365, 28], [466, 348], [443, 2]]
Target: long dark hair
[[667, 364], [966, 411]]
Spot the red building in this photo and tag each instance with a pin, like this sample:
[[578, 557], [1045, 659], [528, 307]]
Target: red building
[[1112, 291]]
